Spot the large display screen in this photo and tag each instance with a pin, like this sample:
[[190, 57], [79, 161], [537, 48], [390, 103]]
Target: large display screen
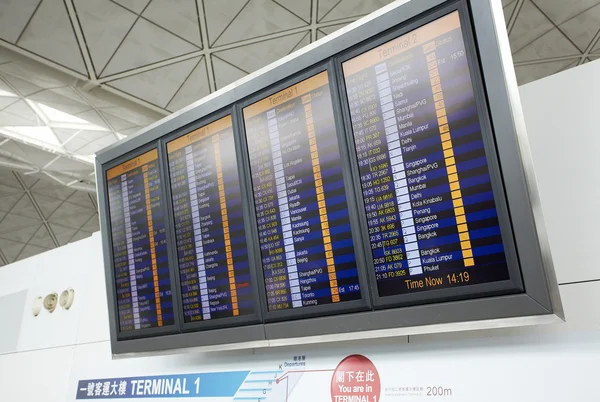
[[304, 230], [139, 244], [209, 226], [426, 187]]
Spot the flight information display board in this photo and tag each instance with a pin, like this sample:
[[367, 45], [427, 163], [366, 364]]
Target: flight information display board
[[426, 187], [139, 244], [300, 202], [209, 225]]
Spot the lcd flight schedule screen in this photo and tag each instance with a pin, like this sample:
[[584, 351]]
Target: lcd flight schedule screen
[[300, 202], [425, 182], [211, 243], [139, 244]]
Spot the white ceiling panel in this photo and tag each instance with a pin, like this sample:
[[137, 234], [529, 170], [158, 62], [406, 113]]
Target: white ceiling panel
[[10, 249], [14, 15], [42, 238], [529, 73], [12, 223], [177, 16], [47, 204], [24, 88], [530, 24], [257, 55], [50, 189], [324, 31], [157, 86], [57, 100], [301, 8], [93, 117], [225, 73], [80, 235], [194, 88], [21, 113], [583, 28], [22, 235], [219, 14], [128, 115], [9, 200], [50, 34], [560, 11], [83, 200], [136, 6], [92, 225], [9, 180], [552, 44], [353, 8], [116, 123], [7, 101], [69, 165], [104, 25], [71, 215], [25, 208], [63, 234], [509, 8], [324, 7], [274, 18], [146, 44], [31, 250]]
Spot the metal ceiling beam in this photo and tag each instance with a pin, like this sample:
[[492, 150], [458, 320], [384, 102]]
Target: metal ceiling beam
[[212, 85], [87, 59]]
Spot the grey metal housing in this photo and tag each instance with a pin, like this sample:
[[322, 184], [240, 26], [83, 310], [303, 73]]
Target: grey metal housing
[[539, 302]]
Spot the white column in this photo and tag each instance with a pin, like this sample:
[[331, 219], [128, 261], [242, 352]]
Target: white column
[[189, 159], [397, 163], [130, 255], [284, 210]]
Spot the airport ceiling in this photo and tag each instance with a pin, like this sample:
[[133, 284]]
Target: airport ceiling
[[78, 75]]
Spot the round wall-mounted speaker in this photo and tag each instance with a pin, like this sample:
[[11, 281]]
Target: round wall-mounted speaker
[[66, 298], [50, 302], [36, 306]]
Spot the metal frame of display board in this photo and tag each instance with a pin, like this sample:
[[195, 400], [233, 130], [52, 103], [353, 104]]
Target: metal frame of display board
[[540, 301], [364, 303], [512, 285], [103, 204], [221, 322]]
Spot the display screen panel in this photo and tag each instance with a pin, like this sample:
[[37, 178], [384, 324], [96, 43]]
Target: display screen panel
[[214, 269], [139, 244], [300, 202], [430, 209]]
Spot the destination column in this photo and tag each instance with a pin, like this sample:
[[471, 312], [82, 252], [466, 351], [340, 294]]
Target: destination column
[[197, 233], [120, 255], [407, 223], [130, 253], [284, 210]]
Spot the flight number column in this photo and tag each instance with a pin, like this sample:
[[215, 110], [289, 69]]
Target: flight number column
[[314, 154], [284, 210], [130, 255], [152, 247], [189, 159], [457, 200], [225, 223], [407, 223]]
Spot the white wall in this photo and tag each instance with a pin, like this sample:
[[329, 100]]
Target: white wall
[[550, 363]]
